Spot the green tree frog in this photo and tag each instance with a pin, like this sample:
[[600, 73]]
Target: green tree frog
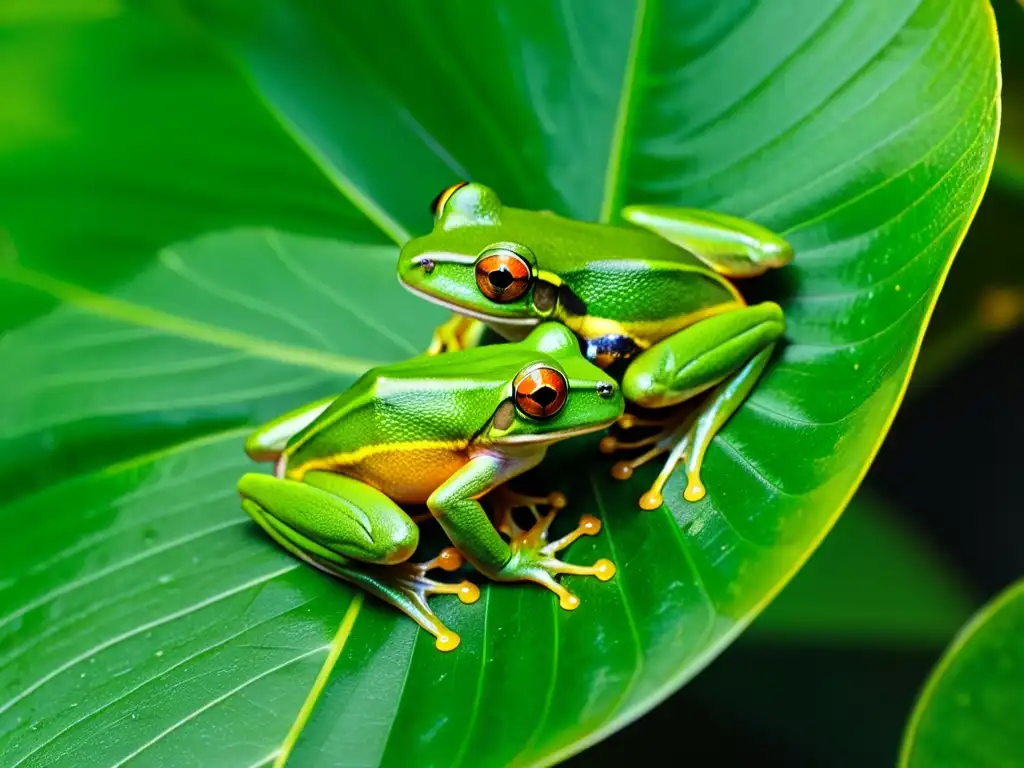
[[444, 431], [652, 299]]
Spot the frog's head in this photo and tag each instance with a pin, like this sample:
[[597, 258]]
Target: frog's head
[[557, 393], [472, 263]]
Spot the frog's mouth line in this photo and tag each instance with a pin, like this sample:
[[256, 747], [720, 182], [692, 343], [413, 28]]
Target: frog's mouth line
[[548, 437], [517, 321]]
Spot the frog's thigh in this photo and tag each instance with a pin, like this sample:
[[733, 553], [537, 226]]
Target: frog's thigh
[[329, 515], [698, 357], [266, 443]]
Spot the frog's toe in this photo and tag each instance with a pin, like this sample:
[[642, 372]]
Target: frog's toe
[[676, 437], [407, 587], [533, 558], [410, 588]]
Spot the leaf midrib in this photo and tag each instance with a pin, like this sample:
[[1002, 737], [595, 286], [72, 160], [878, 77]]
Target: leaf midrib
[[337, 645], [614, 171], [182, 327]]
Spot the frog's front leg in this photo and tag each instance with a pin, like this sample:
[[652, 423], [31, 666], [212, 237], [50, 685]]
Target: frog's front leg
[[456, 333], [351, 530], [528, 556], [728, 352]]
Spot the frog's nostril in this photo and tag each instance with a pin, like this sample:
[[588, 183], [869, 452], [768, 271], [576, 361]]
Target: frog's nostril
[[427, 265], [605, 390]]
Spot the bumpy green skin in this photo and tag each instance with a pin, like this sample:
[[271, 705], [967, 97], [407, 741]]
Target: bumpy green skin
[[438, 431], [609, 268], [654, 296]]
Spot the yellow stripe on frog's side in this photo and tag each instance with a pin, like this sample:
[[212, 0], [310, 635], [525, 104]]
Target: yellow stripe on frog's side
[[351, 458], [643, 332], [406, 472]]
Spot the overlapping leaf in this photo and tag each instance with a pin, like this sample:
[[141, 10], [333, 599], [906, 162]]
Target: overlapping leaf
[[969, 713], [142, 617]]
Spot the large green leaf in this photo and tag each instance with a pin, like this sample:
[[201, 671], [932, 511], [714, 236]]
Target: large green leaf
[[144, 617], [971, 712]]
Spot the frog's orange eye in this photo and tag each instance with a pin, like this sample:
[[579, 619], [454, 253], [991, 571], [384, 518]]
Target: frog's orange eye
[[540, 392], [437, 206], [502, 275]]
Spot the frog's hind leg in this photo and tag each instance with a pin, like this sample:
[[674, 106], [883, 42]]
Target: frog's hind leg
[[656, 443], [353, 532], [727, 354], [456, 333], [407, 587], [269, 441]]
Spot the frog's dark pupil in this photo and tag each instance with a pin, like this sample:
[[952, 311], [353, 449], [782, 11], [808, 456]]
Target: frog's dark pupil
[[501, 278], [544, 396]]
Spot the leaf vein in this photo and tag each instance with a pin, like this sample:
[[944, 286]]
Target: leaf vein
[[617, 151], [135, 314], [215, 701], [205, 603], [336, 646], [71, 586], [162, 674]]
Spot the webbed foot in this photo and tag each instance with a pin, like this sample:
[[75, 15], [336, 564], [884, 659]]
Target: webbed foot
[[686, 435], [533, 556], [675, 435], [414, 587]]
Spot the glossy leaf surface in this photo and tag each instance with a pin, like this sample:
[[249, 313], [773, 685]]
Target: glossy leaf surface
[[222, 253], [970, 711]]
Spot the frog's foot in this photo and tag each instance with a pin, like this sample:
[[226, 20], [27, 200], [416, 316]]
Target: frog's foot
[[675, 436], [533, 556], [456, 333], [407, 587], [413, 587]]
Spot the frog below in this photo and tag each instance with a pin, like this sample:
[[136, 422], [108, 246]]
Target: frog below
[[444, 432]]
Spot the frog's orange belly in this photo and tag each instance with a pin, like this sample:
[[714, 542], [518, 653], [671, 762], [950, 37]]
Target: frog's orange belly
[[405, 472]]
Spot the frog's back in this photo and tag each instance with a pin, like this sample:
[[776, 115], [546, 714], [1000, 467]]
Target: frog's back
[[566, 245], [609, 267], [396, 429]]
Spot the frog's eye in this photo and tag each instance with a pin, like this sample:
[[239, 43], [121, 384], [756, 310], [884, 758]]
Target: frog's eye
[[437, 206], [540, 391], [502, 275]]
